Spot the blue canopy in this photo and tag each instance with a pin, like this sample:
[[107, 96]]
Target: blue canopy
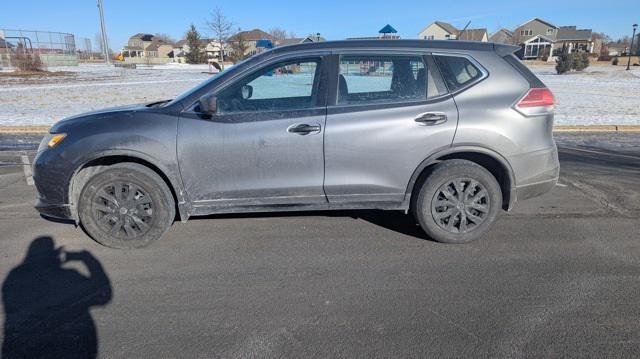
[[264, 43], [388, 30]]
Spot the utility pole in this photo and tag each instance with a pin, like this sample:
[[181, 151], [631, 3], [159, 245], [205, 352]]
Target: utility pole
[[630, 52], [103, 29]]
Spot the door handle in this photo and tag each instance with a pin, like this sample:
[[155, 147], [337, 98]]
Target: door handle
[[432, 118], [304, 129]]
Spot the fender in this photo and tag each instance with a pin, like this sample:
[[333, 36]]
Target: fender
[[459, 149], [175, 182]]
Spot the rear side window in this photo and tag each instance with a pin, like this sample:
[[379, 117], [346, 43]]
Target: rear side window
[[457, 71], [381, 79]]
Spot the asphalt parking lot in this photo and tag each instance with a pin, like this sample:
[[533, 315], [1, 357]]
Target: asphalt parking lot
[[557, 277]]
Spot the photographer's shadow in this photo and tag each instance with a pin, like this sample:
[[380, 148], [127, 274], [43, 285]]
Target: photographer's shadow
[[47, 305]]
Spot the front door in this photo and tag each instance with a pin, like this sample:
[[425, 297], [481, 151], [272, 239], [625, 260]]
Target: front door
[[263, 147]]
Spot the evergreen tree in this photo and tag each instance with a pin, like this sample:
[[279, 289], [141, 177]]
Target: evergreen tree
[[195, 54], [563, 63]]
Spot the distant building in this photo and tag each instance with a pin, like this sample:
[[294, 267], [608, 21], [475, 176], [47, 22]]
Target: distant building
[[439, 30], [253, 38], [147, 48], [502, 36], [388, 32], [533, 28], [571, 39], [300, 40]]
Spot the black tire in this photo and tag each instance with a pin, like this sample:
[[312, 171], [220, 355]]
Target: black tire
[[125, 206], [458, 202]]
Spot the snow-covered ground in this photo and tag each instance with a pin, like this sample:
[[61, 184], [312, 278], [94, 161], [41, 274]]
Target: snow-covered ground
[[603, 95], [46, 100], [600, 95]]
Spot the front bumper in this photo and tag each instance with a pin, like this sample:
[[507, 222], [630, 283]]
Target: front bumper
[[56, 211]]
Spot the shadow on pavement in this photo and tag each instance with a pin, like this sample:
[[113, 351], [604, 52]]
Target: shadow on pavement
[[47, 305], [395, 221]]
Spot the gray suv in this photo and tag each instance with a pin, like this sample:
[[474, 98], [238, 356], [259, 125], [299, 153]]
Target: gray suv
[[451, 131]]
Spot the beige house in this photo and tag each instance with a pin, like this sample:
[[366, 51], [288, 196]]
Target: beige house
[[439, 30], [251, 39], [502, 36], [146, 48]]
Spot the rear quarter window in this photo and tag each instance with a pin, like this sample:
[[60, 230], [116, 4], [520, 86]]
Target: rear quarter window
[[457, 72]]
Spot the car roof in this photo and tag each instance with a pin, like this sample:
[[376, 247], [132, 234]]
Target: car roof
[[502, 49]]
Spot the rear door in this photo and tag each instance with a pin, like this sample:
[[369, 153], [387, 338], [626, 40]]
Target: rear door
[[389, 112]]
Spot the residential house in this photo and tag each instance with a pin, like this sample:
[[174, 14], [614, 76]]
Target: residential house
[[571, 39], [480, 35], [137, 44], [252, 40], [615, 49], [300, 40], [502, 36], [210, 47], [147, 48], [536, 37], [533, 28], [388, 32], [542, 40], [439, 30]]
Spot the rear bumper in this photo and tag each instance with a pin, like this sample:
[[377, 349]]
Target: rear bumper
[[536, 173], [535, 190]]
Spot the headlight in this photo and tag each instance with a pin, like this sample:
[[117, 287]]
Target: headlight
[[51, 140], [57, 138]]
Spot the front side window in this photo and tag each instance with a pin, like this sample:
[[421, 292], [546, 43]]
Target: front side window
[[285, 86], [381, 79], [457, 71]]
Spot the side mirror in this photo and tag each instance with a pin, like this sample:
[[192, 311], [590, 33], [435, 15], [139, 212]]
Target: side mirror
[[208, 104], [247, 92]]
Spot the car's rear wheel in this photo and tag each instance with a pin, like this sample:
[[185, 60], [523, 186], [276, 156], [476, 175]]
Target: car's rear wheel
[[126, 205], [458, 202]]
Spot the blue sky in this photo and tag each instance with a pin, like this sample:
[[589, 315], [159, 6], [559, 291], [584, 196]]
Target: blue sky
[[334, 19]]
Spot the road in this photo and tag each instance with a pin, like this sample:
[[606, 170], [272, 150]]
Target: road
[[557, 277]]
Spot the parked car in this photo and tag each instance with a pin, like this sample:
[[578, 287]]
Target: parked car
[[451, 131]]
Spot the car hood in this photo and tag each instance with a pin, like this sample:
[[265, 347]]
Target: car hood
[[98, 114]]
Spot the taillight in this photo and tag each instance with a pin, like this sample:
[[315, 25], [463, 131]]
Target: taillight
[[537, 101]]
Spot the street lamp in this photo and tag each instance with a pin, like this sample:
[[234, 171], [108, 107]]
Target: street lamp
[[103, 29], [635, 26]]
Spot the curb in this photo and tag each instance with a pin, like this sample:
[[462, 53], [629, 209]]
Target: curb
[[31, 130], [597, 128], [34, 130]]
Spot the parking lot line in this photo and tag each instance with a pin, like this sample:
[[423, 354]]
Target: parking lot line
[[28, 175]]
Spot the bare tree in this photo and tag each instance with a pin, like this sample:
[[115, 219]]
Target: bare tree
[[166, 38], [239, 47], [278, 33], [221, 28]]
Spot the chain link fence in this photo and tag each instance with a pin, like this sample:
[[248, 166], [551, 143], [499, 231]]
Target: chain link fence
[[52, 48]]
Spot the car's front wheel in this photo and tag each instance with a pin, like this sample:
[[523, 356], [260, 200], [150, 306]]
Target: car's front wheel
[[126, 205], [458, 202]]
